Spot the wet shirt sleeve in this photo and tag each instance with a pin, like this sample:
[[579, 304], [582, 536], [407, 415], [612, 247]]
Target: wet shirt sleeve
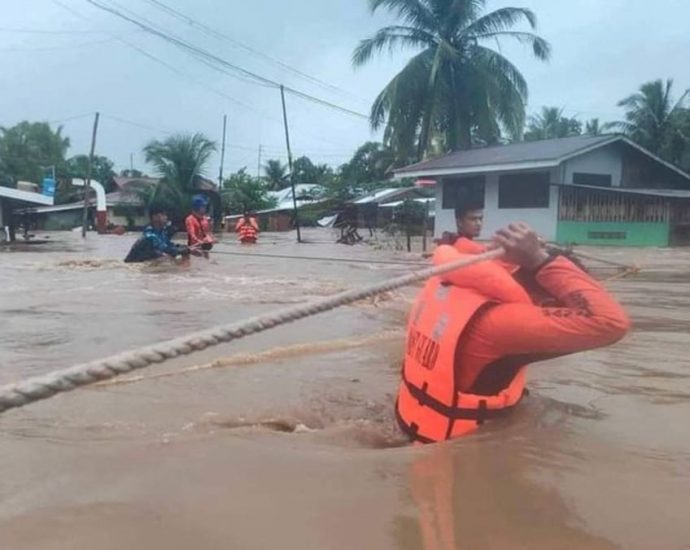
[[161, 243], [589, 318]]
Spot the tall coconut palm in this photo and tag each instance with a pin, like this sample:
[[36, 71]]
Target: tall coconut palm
[[594, 127], [178, 160], [275, 173], [550, 124], [653, 119], [455, 87]]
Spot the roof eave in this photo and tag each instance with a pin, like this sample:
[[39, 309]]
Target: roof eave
[[479, 169]]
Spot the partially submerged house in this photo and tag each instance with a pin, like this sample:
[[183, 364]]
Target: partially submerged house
[[582, 190], [12, 200], [125, 206]]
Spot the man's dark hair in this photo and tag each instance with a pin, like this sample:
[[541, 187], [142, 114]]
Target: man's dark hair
[[467, 202], [153, 210], [463, 207]]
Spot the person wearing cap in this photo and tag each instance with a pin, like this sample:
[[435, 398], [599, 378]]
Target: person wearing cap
[[155, 242], [199, 234]]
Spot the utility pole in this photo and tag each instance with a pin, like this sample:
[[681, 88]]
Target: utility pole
[[222, 153], [87, 187], [258, 164], [289, 152], [131, 164]]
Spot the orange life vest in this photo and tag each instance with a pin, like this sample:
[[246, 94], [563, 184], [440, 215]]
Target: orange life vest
[[248, 230], [430, 407]]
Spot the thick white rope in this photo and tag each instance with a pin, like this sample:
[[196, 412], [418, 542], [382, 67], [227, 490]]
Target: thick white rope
[[45, 386]]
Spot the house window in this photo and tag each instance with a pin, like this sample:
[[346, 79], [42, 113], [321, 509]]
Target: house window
[[595, 180], [469, 190], [529, 190]]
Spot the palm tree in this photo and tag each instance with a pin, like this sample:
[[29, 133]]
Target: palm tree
[[654, 120], [178, 160], [594, 127], [455, 87], [276, 175], [550, 124]]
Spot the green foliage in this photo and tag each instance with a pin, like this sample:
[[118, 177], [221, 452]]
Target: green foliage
[[456, 89], [276, 175], [655, 121], [310, 214], [372, 162], [550, 124], [305, 171], [178, 160], [594, 127], [242, 192], [29, 149], [101, 171], [127, 173]]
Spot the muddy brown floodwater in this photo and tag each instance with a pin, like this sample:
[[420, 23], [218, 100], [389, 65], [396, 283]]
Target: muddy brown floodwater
[[287, 439]]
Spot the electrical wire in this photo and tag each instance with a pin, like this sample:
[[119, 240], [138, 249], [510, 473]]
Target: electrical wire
[[210, 31], [216, 61]]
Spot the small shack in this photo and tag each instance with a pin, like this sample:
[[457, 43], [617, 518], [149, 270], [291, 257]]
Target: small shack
[[377, 209]]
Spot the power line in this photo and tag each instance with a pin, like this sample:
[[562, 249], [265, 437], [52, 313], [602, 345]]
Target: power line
[[210, 31], [167, 65], [188, 78], [69, 119], [216, 60]]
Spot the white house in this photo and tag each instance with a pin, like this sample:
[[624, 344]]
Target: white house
[[584, 189]]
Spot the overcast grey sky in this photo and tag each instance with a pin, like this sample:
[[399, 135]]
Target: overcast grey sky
[[602, 51]]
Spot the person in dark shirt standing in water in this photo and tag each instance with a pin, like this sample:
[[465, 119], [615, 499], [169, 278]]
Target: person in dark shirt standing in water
[[155, 242]]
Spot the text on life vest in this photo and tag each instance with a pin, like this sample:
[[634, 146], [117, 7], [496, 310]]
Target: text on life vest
[[422, 349]]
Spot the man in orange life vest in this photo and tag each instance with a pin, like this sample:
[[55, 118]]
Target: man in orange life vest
[[199, 234], [472, 332], [469, 220]]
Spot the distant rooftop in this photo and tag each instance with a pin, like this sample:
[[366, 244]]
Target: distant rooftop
[[547, 151]]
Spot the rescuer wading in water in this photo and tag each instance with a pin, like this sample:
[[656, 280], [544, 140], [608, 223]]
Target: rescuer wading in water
[[472, 332]]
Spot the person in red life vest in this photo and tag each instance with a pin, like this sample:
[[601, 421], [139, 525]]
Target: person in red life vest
[[247, 229], [198, 227], [472, 332]]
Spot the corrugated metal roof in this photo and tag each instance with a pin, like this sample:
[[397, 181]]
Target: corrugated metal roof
[[548, 150], [388, 194], [305, 193], [25, 196]]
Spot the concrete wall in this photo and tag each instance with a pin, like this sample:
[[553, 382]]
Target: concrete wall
[[543, 220], [605, 161], [614, 233]]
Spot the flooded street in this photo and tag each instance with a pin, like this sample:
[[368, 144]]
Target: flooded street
[[288, 439]]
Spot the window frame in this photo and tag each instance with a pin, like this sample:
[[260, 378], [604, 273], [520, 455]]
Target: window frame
[[596, 175], [544, 202], [473, 183]]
